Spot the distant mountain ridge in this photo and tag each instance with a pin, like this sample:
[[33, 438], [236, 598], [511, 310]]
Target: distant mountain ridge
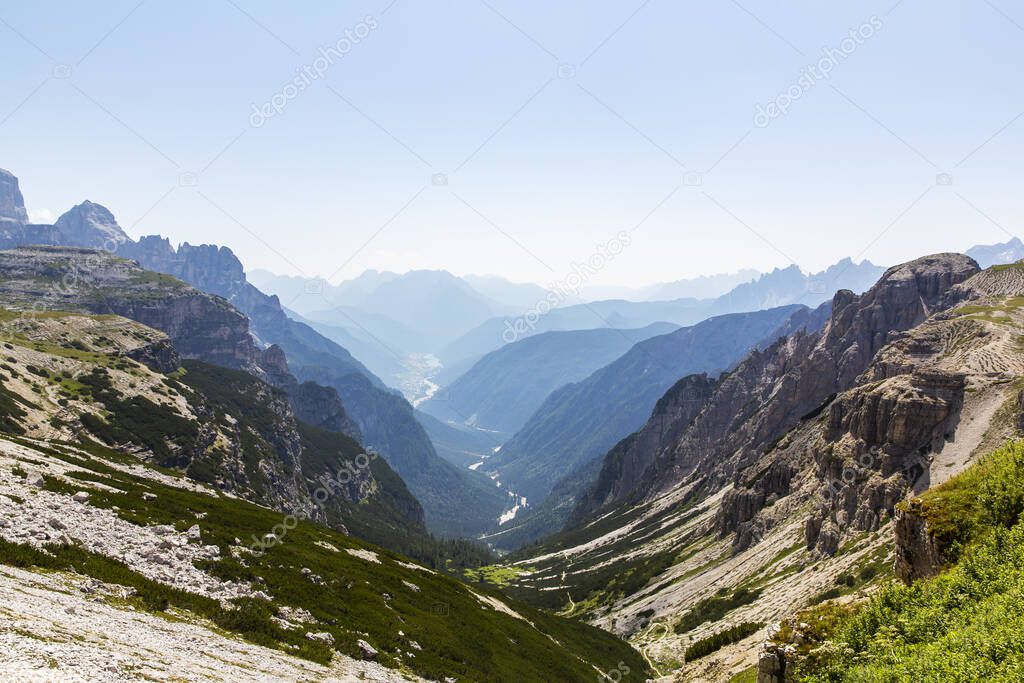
[[781, 287], [700, 287], [506, 387], [12, 203], [997, 254], [457, 502], [581, 421]]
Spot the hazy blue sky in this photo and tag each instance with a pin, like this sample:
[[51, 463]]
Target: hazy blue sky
[[558, 124]]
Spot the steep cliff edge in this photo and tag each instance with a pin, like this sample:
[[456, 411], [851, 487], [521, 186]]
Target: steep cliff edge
[[199, 325], [12, 204]]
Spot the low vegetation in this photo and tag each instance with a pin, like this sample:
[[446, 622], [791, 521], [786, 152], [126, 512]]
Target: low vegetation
[[715, 608], [457, 630], [717, 641], [963, 625]]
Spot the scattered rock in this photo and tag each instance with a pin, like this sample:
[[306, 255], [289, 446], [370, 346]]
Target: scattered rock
[[324, 637], [146, 495], [366, 650], [34, 478], [194, 533], [81, 497], [367, 555]]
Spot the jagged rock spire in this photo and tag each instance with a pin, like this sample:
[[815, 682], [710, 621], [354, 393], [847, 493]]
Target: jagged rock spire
[[12, 204]]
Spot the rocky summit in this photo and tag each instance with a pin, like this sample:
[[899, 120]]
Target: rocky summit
[[12, 204]]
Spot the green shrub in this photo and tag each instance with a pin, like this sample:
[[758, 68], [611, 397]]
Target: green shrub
[[966, 624], [715, 608], [717, 641]]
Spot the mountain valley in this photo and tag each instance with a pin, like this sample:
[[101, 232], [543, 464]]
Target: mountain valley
[[713, 496]]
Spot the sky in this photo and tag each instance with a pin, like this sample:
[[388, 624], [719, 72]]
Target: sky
[[524, 138]]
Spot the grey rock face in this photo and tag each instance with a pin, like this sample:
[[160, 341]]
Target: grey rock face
[[918, 553], [367, 651], [199, 325], [207, 267], [12, 204], [89, 225], [795, 380]]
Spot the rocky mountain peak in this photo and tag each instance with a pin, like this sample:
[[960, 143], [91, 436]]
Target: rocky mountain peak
[[274, 363], [772, 390], [996, 254], [90, 225], [210, 268], [903, 297], [12, 204]]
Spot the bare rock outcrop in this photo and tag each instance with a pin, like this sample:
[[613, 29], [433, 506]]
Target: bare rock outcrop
[[915, 412], [918, 553], [12, 204], [863, 439], [199, 325]]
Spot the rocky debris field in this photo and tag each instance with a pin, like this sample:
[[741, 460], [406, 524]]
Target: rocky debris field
[[66, 627], [30, 514]]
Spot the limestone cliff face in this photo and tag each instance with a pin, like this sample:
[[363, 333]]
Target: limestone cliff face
[[160, 356], [918, 553], [70, 279], [926, 403], [89, 225], [200, 326], [625, 465], [207, 267], [875, 447], [313, 403], [866, 444], [12, 204], [764, 426]]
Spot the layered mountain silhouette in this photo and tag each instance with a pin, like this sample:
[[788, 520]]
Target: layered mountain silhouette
[[504, 388], [781, 287], [457, 502], [996, 254], [581, 421]]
